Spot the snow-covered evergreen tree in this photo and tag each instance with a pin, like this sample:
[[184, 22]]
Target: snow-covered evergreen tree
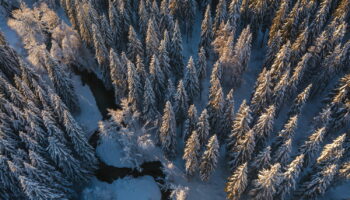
[[181, 102], [201, 65], [190, 81], [135, 47], [157, 78], [164, 60], [152, 40], [264, 126], [290, 177], [264, 188], [282, 154], [237, 182], [176, 57], [167, 132], [191, 154], [207, 32], [234, 13], [220, 14], [118, 76], [278, 20], [134, 87], [149, 109], [263, 94], [331, 153], [203, 127], [263, 159], [300, 101], [170, 92], [242, 151], [311, 146], [191, 122], [286, 133], [209, 159], [228, 115]]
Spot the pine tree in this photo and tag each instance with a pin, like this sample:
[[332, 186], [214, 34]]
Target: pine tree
[[191, 82], [135, 87], [167, 132], [277, 21], [319, 183], [189, 13], [207, 32], [264, 126], [279, 92], [140, 69], [298, 74], [272, 50], [209, 159], [201, 65], [191, 154], [106, 32], [291, 24], [243, 150], [290, 177], [264, 188], [282, 154], [149, 109], [166, 20], [164, 60], [143, 16], [115, 23], [223, 42], [281, 63], [242, 51], [312, 146], [181, 102], [62, 84], [203, 127], [263, 159], [157, 78], [170, 92], [152, 40], [262, 95], [221, 13], [234, 13], [135, 47], [191, 122], [101, 54], [240, 126], [176, 58], [237, 182], [300, 101], [228, 115], [286, 133], [331, 153], [215, 109], [118, 76]]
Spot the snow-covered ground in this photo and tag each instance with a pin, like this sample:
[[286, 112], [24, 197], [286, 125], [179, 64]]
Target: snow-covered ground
[[142, 188]]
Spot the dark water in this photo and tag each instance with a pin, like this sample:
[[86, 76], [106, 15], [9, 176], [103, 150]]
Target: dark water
[[105, 100]]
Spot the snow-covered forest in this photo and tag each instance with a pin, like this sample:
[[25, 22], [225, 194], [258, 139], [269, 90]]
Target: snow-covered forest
[[174, 99]]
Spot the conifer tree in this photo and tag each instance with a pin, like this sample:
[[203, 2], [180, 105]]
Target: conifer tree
[[191, 122], [143, 16], [280, 90], [115, 23], [262, 95], [237, 182], [282, 154], [228, 115], [191, 82], [207, 32], [152, 40], [312, 145], [188, 14], [286, 133], [290, 177], [242, 51], [240, 126], [140, 69], [264, 188], [272, 50], [134, 87], [106, 32], [318, 183], [277, 21], [170, 92], [215, 109], [209, 159], [300, 101], [191, 154], [149, 109], [157, 77], [201, 65], [220, 14], [263, 159], [164, 60], [264, 126], [167, 132], [243, 150], [118, 76], [331, 153], [176, 58], [221, 46], [281, 63], [134, 45], [181, 102], [203, 127], [234, 13], [298, 74]]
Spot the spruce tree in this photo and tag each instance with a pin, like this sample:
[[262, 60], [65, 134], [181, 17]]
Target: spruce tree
[[167, 132], [191, 154], [290, 177], [176, 57], [286, 133], [220, 14], [115, 23], [237, 182], [149, 109], [277, 21], [311, 146], [118, 76], [134, 87], [264, 126], [209, 159], [215, 109], [331, 153], [234, 13], [152, 40], [263, 159], [262, 95], [191, 122], [181, 102], [170, 92], [201, 65], [207, 32], [228, 115], [264, 188], [243, 150], [300, 101], [157, 78], [164, 60], [282, 154], [203, 127], [135, 47], [190, 81]]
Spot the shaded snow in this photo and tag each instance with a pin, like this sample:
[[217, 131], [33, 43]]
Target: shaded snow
[[142, 188], [89, 114]]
